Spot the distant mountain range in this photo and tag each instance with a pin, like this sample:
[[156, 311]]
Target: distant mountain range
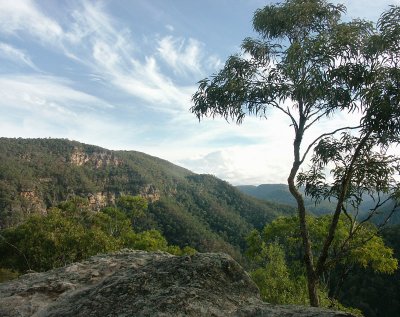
[[279, 193], [189, 209]]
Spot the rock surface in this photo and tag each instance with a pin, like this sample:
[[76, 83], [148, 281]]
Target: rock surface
[[138, 283]]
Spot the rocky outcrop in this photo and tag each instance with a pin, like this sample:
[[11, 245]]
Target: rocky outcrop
[[31, 202], [100, 200], [98, 159], [137, 283], [150, 192]]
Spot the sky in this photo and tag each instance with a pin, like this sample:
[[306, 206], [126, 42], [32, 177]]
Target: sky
[[120, 74]]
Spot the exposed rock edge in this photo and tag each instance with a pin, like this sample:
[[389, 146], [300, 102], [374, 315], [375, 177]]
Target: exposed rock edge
[[138, 283]]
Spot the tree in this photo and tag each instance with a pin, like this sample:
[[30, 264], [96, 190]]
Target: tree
[[310, 65], [72, 232], [45, 242], [133, 206], [366, 250], [274, 279]]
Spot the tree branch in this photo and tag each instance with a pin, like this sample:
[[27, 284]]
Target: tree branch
[[324, 135], [289, 114], [341, 198], [315, 120]]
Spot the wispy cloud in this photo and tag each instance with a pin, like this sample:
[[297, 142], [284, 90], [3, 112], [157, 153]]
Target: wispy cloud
[[183, 56], [47, 94], [25, 16], [93, 38], [170, 27], [112, 55], [43, 106], [16, 56]]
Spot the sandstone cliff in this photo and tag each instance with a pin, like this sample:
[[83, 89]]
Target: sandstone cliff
[[137, 283]]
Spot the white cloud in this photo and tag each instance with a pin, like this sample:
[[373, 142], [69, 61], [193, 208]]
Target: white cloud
[[25, 16], [187, 57], [98, 42], [48, 106], [15, 55], [183, 56], [214, 62], [170, 28], [111, 56], [253, 164], [47, 94], [263, 152], [105, 55]]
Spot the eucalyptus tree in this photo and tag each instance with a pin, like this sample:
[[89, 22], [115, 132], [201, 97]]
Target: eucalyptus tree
[[309, 65], [365, 250]]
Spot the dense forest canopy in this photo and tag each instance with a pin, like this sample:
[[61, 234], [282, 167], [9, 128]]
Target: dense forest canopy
[[189, 209], [72, 232]]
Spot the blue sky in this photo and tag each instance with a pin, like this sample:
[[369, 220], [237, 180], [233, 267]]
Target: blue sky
[[120, 74]]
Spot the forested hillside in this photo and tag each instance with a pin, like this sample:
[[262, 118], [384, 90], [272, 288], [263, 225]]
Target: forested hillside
[[189, 209], [279, 193]]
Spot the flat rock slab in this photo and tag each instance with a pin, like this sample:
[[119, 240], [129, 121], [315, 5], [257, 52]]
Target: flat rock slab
[[138, 283]]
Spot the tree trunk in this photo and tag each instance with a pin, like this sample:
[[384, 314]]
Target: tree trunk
[[312, 278]]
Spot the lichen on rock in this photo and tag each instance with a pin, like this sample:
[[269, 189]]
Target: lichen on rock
[[138, 283]]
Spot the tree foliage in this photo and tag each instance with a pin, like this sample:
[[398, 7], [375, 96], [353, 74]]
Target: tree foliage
[[277, 283], [201, 211], [277, 254], [366, 249], [375, 294], [310, 65], [133, 206], [72, 232]]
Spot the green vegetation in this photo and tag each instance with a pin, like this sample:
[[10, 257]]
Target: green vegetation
[[277, 256], [277, 284], [310, 65], [72, 232], [365, 250], [374, 293], [200, 211]]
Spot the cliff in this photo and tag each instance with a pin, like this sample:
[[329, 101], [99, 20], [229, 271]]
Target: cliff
[[137, 283], [189, 209]]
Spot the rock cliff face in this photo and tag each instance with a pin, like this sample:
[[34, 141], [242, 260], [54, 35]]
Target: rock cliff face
[[97, 159], [137, 283], [100, 200]]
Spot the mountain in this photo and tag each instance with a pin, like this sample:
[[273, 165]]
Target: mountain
[[279, 193], [189, 209]]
